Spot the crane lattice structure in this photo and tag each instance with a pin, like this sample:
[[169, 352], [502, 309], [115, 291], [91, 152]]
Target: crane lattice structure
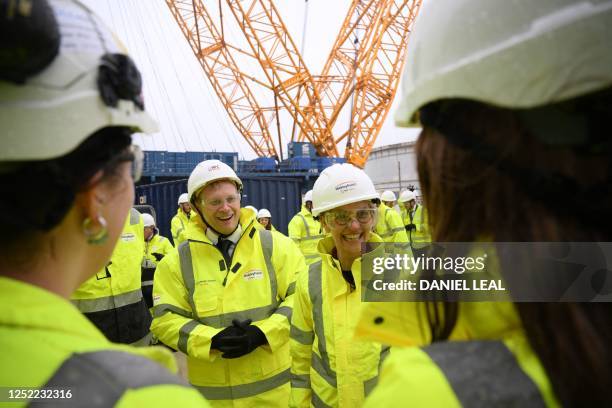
[[363, 68]]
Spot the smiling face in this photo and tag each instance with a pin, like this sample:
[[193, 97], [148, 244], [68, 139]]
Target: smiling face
[[350, 226], [219, 204]]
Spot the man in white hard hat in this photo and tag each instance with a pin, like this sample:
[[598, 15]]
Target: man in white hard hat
[[70, 100], [329, 367], [179, 223], [305, 231], [156, 247], [414, 217], [388, 198], [225, 297], [389, 226]]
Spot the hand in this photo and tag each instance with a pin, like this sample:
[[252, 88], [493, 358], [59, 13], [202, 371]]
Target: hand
[[242, 344], [218, 340]]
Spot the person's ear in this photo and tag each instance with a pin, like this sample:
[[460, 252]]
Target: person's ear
[[90, 203]]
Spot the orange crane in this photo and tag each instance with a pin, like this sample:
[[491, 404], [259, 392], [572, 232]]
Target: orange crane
[[364, 67]]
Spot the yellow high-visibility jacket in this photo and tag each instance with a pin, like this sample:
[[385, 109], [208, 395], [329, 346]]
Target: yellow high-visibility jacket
[[48, 344], [306, 232], [390, 226], [178, 226], [157, 245], [196, 296], [486, 362], [419, 237], [329, 366], [112, 299]]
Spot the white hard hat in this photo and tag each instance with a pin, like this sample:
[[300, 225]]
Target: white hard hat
[[308, 196], [55, 110], [148, 220], [208, 171], [407, 195], [339, 185], [515, 54], [264, 213], [183, 198], [388, 195], [250, 207]]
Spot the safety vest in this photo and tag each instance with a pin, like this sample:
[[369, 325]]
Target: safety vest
[[196, 295], [502, 373], [419, 237], [155, 249], [329, 366], [306, 232], [112, 299], [391, 229], [178, 226], [48, 344]]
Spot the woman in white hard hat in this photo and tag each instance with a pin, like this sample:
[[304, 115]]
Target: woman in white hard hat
[[515, 100], [264, 217], [69, 102], [329, 367], [225, 297]]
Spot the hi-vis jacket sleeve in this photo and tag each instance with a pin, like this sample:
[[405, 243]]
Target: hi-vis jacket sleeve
[[396, 226], [301, 340], [288, 262], [295, 229], [177, 228], [172, 315]]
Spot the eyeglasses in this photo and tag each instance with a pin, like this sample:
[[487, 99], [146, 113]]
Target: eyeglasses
[[342, 218], [218, 202], [134, 155]]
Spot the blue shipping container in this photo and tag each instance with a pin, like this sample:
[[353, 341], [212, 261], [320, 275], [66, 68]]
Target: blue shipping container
[[279, 195]]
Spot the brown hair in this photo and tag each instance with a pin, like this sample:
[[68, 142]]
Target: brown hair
[[484, 174]]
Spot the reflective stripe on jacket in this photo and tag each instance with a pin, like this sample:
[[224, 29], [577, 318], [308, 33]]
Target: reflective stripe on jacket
[[468, 373], [178, 226], [329, 366], [306, 232], [112, 299], [48, 344], [196, 296]]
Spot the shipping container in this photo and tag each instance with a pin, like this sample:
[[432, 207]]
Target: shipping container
[[279, 195], [301, 149]]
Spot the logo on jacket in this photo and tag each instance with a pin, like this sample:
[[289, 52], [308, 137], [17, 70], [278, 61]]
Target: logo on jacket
[[253, 275], [127, 237]]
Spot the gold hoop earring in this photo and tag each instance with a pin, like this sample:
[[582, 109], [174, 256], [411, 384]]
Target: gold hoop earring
[[94, 237]]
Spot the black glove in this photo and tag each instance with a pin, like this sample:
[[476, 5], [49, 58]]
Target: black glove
[[242, 344], [410, 227], [158, 257], [218, 340]]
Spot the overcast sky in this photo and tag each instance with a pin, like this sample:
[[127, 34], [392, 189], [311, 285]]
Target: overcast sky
[[178, 93]]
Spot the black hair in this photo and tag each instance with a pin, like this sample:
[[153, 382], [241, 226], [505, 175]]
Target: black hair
[[36, 195]]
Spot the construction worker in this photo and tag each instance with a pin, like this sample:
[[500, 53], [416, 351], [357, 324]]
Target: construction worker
[[69, 102], [305, 231], [514, 111], [250, 207], [329, 367], [264, 217], [156, 247], [179, 223], [225, 297], [414, 217], [389, 226], [112, 299], [388, 198]]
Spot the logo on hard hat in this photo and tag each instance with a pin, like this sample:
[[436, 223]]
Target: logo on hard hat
[[346, 186], [213, 167]]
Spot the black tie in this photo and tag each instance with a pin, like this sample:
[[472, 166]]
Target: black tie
[[224, 245]]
